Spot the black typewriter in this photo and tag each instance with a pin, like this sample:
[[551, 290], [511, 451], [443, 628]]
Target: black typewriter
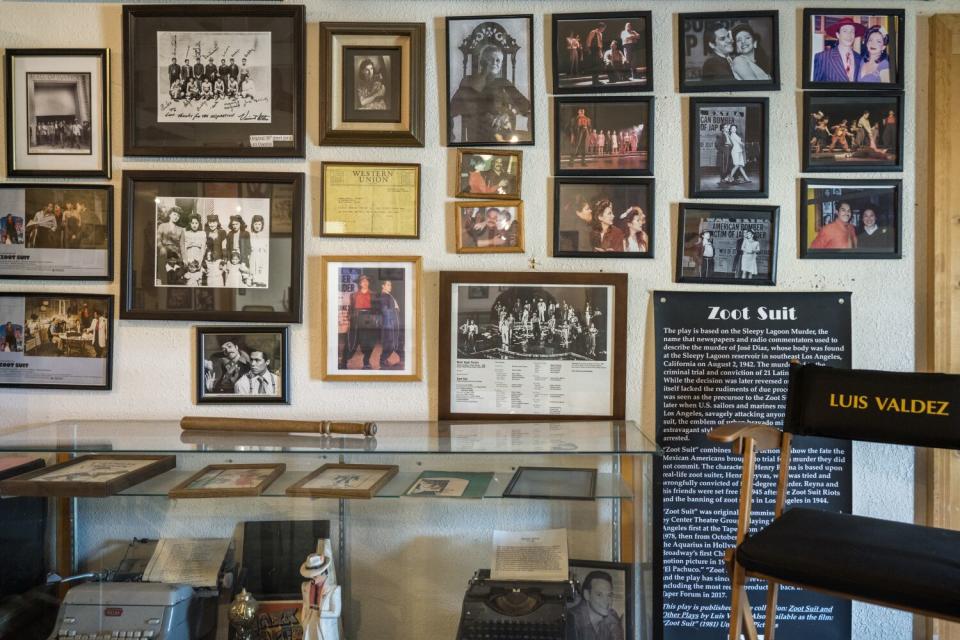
[[507, 610]]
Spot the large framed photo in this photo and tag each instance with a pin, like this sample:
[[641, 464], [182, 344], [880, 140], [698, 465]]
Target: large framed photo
[[371, 322], [229, 481], [603, 218], [90, 476], [224, 246], [490, 227], [56, 340], [729, 147], [604, 592], [729, 51], [344, 481], [489, 173], [370, 200], [848, 131], [611, 136], [853, 48], [56, 232], [58, 112], [490, 80], [850, 218], [214, 80], [243, 365], [373, 84], [500, 332], [602, 52], [552, 483], [727, 244]]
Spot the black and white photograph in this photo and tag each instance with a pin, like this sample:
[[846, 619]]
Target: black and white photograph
[[852, 131], [58, 113], [603, 217], [603, 52], [603, 604], [489, 227], [857, 219], [372, 85], [552, 483], [488, 174], [728, 147], [853, 49], [242, 365], [727, 244], [490, 80], [729, 51], [603, 136]]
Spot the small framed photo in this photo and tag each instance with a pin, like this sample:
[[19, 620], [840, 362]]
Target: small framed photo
[[552, 483], [850, 218], [604, 136], [214, 80], [603, 218], [602, 52], [488, 174], [344, 481], [727, 244], [372, 326], [91, 476], [450, 484], [849, 131], [489, 227], [228, 481], [729, 51], [243, 365], [729, 147], [601, 585], [56, 232], [853, 48], [58, 112], [490, 80], [370, 200]]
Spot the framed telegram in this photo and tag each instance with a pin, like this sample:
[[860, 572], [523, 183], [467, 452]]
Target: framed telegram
[[214, 80], [370, 200]]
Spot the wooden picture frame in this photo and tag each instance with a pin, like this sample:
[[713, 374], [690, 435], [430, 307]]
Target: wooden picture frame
[[271, 342], [572, 140], [301, 489], [186, 489], [622, 196], [477, 176], [883, 197], [588, 492], [847, 106], [710, 124], [351, 194], [585, 567], [765, 38], [499, 239], [31, 484]]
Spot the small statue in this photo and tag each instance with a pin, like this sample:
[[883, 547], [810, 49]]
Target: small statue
[[316, 595], [243, 615]]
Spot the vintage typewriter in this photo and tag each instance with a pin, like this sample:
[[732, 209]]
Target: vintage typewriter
[[508, 610]]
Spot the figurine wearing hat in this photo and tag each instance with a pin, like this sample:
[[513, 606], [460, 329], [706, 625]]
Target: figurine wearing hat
[[316, 595], [840, 63]]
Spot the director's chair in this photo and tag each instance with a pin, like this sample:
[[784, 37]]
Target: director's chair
[[892, 564]]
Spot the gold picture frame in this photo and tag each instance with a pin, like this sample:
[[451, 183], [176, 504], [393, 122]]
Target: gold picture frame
[[488, 184], [335, 480], [490, 226], [370, 200], [196, 487]]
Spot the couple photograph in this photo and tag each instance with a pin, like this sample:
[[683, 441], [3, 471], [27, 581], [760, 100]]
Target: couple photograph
[[729, 51], [728, 147], [860, 51]]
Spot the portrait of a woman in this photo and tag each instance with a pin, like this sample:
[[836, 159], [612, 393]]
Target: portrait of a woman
[[874, 61], [370, 91]]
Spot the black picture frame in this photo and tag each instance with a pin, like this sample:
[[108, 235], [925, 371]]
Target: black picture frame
[[199, 302], [557, 29], [809, 206], [103, 64], [239, 138], [588, 492], [562, 236], [898, 15], [565, 123], [687, 242], [694, 173], [243, 333], [629, 596], [847, 101], [728, 17], [455, 141]]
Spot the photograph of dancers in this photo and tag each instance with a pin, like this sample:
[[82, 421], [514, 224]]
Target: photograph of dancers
[[603, 52], [728, 148], [850, 131], [603, 136]]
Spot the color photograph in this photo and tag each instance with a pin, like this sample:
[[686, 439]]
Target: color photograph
[[851, 131], [603, 136], [853, 49], [489, 227], [603, 217], [488, 174], [850, 218], [602, 52]]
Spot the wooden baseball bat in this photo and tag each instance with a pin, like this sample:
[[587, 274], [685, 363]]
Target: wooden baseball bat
[[257, 425]]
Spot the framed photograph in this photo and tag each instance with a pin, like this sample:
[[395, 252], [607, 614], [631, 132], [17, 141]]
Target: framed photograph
[[58, 112], [373, 84], [56, 340], [500, 332], [228, 481], [488, 174], [278, 620], [370, 200], [243, 365], [224, 246], [214, 80], [727, 244], [344, 481], [450, 484], [729, 147], [610, 136], [603, 218], [729, 51], [490, 80], [56, 232], [552, 483], [602, 52], [852, 131], [853, 48], [605, 592], [489, 227], [372, 327], [850, 218], [91, 476]]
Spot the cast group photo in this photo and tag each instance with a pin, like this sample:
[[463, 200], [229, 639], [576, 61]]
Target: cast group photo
[[66, 327], [592, 53], [64, 219], [58, 112], [720, 50], [860, 131], [852, 49], [603, 136], [242, 364], [603, 217], [372, 307]]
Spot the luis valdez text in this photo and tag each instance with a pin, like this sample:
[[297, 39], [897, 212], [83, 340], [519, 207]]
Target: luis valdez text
[[897, 405]]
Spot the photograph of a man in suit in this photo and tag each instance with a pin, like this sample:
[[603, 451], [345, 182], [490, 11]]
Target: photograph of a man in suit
[[840, 63]]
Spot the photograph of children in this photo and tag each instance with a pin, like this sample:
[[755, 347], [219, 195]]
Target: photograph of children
[[731, 51], [602, 52], [728, 148], [372, 84], [488, 174], [12, 336], [58, 113], [850, 131], [489, 227], [603, 218], [65, 218], [850, 218], [490, 80], [859, 51], [212, 242], [603, 136], [602, 605], [66, 327], [11, 229], [242, 364], [727, 244]]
